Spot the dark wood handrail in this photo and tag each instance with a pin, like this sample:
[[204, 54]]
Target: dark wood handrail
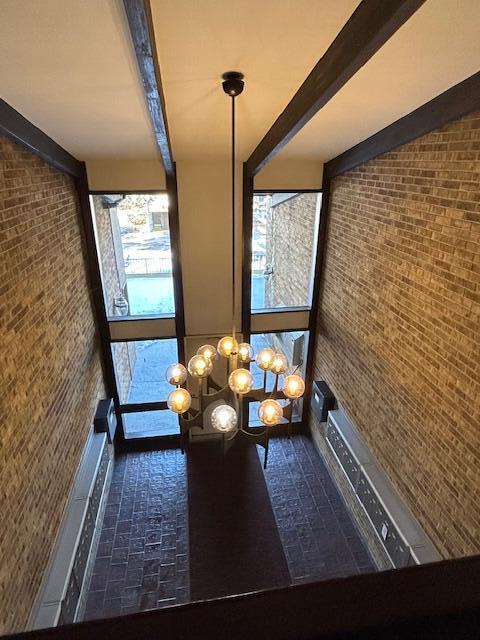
[[428, 601]]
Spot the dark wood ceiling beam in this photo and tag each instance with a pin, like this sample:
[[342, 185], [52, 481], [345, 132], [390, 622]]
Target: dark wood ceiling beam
[[16, 127], [454, 103], [141, 29], [368, 28]]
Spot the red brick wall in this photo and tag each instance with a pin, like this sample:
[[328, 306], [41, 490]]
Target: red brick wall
[[399, 338], [50, 368]]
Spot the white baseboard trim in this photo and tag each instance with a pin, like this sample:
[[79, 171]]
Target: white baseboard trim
[[60, 593], [391, 523]]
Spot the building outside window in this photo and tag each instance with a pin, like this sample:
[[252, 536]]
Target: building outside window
[[133, 238], [140, 373], [133, 241], [284, 236]]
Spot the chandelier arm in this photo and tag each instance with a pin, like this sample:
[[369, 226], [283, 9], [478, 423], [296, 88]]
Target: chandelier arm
[[212, 384], [223, 393], [275, 394], [191, 418], [257, 395], [253, 435]]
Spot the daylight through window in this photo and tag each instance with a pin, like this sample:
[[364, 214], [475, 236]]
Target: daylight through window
[[133, 239], [284, 236]]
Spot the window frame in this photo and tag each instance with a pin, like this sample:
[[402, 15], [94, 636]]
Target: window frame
[[155, 327], [139, 407], [301, 413], [293, 193], [287, 319], [134, 318]]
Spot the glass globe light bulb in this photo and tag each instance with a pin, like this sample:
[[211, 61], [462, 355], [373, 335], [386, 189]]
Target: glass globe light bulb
[[245, 352], [293, 387], [270, 412], [226, 346], [208, 351], [279, 363], [176, 374], [240, 381], [179, 400], [264, 358], [224, 418], [200, 366]]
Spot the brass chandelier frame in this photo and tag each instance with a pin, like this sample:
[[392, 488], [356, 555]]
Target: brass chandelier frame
[[215, 392]]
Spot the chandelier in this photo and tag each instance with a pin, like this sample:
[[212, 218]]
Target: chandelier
[[222, 406]]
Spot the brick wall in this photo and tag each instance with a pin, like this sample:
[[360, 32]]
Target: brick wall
[[399, 338], [113, 271], [289, 241], [124, 358], [50, 368]]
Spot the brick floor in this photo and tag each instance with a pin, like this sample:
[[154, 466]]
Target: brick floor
[[143, 558], [318, 535]]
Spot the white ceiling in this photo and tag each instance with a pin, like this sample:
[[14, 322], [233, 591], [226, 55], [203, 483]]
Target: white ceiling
[[69, 67], [274, 43], [438, 47]]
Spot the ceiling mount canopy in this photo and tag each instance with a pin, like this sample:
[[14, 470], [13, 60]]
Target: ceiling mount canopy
[[233, 83]]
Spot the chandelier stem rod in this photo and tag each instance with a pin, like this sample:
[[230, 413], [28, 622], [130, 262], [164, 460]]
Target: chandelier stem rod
[[233, 218]]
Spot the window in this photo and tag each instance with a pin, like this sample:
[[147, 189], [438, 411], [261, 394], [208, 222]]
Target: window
[[133, 239], [140, 373], [148, 424], [139, 368], [292, 345], [134, 247], [284, 233]]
